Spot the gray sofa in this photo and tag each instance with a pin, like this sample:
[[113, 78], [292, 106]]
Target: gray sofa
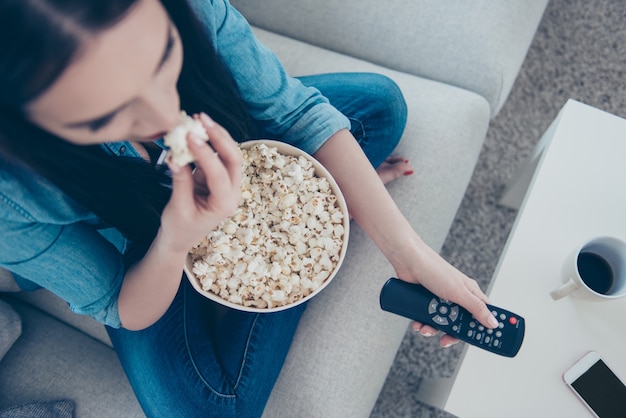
[[456, 62]]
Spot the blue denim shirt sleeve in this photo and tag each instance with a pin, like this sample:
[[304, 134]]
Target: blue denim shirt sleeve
[[280, 104], [49, 241]]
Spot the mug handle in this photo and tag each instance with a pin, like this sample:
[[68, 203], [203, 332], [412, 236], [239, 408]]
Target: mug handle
[[567, 288]]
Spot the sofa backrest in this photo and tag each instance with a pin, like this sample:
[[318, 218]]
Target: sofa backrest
[[478, 45]]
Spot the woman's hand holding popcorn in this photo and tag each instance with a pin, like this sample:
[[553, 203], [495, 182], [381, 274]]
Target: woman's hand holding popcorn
[[196, 205], [199, 202]]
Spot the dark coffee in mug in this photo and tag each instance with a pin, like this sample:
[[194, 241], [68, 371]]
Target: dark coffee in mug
[[596, 272]]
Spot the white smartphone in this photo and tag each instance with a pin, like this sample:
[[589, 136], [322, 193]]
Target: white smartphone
[[597, 386]]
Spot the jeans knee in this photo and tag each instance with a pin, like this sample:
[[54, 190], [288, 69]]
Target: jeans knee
[[393, 106]]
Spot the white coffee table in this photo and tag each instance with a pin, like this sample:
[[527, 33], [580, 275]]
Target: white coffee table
[[572, 189]]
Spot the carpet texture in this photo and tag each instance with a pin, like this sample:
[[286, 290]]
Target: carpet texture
[[579, 52]]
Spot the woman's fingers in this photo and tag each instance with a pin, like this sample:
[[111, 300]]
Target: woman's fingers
[[222, 142], [225, 147], [182, 184], [202, 199], [447, 340], [427, 331], [223, 161], [218, 170], [474, 301], [216, 182]]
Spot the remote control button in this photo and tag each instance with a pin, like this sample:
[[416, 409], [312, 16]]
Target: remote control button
[[495, 313], [470, 333], [440, 320], [498, 334], [455, 328], [432, 306], [481, 328], [502, 316], [487, 339], [489, 331], [496, 342], [454, 313], [472, 324], [513, 320], [501, 325], [479, 336], [443, 310]]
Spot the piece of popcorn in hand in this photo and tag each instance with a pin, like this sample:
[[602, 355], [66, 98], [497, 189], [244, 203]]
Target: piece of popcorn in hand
[[176, 139]]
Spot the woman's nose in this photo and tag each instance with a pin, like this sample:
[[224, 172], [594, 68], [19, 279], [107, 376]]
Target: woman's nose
[[160, 112]]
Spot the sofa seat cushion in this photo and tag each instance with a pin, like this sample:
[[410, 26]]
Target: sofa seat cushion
[[58, 308], [52, 361], [53, 409], [10, 327], [7, 282]]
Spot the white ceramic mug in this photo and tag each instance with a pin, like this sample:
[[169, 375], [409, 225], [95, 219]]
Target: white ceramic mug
[[596, 270]]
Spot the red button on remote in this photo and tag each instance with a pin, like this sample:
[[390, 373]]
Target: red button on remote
[[513, 320]]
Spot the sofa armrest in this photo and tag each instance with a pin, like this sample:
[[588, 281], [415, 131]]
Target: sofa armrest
[[476, 45]]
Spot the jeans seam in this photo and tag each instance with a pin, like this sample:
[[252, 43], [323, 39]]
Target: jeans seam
[[362, 139], [245, 354], [195, 367]]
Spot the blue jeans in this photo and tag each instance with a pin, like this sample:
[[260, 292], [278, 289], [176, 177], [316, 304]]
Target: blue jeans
[[201, 360], [374, 105]]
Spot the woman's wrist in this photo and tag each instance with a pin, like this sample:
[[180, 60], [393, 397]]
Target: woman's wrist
[[167, 244], [150, 285], [408, 253]]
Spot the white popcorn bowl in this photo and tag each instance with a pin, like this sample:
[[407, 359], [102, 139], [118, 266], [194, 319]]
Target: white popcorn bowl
[[320, 171]]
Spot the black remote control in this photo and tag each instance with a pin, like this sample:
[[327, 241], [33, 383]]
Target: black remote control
[[416, 302]]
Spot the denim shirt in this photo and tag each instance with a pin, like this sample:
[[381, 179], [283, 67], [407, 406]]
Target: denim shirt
[[48, 240]]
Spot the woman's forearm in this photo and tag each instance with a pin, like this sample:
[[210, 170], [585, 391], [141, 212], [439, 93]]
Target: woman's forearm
[[376, 212], [150, 285], [368, 201]]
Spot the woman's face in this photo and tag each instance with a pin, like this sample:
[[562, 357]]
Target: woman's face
[[121, 85]]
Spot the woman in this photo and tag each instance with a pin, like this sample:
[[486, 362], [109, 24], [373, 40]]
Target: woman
[[88, 91]]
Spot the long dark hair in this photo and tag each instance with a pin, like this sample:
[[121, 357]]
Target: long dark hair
[[38, 39]]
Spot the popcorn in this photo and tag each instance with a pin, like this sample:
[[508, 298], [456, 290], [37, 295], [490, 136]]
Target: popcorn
[[284, 240], [176, 139]]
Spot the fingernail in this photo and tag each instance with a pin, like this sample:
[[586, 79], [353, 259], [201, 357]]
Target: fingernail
[[207, 120], [492, 321], [416, 328], [174, 168], [447, 345], [408, 173], [427, 334]]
